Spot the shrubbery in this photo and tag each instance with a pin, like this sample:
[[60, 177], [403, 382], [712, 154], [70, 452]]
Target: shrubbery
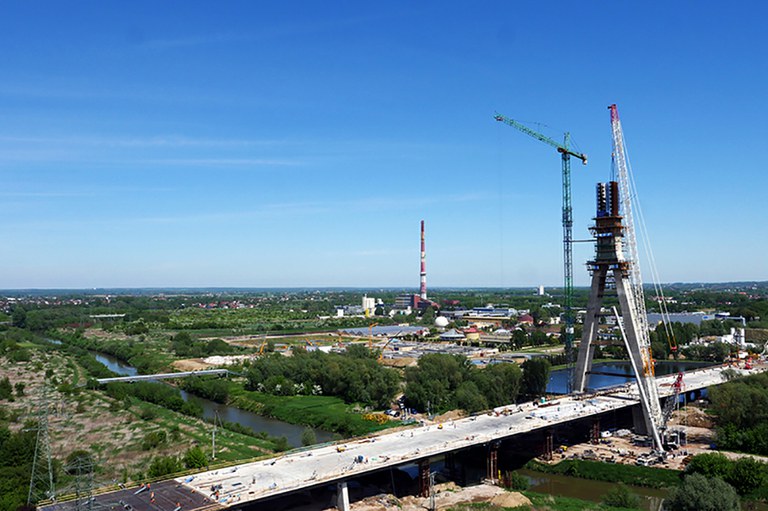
[[445, 382], [153, 440], [157, 393], [354, 376], [745, 475], [699, 493], [741, 408]]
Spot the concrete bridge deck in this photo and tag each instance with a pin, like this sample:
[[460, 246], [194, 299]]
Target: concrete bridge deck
[[302, 470], [296, 471]]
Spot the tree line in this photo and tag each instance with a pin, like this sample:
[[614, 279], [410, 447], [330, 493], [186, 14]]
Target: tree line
[[354, 376], [443, 382], [741, 410]]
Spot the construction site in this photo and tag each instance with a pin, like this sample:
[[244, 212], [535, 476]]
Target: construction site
[[648, 422]]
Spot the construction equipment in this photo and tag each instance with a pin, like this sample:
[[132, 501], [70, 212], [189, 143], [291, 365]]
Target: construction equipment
[[370, 335], [629, 284], [669, 405], [671, 439], [565, 154], [381, 354]]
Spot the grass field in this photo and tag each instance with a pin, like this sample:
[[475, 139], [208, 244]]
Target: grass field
[[324, 412], [650, 477]]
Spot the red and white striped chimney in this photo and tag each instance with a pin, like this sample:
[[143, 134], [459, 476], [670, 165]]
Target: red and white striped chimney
[[423, 291]]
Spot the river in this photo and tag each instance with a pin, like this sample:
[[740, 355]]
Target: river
[[558, 379], [585, 489], [256, 422]]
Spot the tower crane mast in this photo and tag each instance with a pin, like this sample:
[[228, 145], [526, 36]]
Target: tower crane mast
[[566, 154]]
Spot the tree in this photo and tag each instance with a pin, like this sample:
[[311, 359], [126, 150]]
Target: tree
[[519, 339], [164, 465], [747, 474], [620, 496], [535, 376], [19, 317], [710, 464], [499, 383], [308, 437], [194, 457], [699, 493], [433, 382], [6, 389], [281, 444], [469, 398]]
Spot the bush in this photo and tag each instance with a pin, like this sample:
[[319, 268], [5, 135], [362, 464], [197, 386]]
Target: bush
[[164, 465], [153, 440], [195, 458], [6, 389], [620, 496], [699, 493], [514, 481], [281, 444], [308, 437], [147, 413]]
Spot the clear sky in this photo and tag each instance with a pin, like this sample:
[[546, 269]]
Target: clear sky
[[256, 144]]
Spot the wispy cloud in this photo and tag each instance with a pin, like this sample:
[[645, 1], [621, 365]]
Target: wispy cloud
[[222, 162], [198, 40], [153, 141], [261, 33], [263, 211]]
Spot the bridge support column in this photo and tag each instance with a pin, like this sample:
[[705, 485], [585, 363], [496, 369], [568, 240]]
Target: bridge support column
[[342, 496], [549, 445], [594, 432], [492, 464], [638, 421], [424, 478], [450, 465]]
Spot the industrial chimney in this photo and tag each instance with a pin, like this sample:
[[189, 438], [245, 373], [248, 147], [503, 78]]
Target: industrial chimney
[[423, 291]]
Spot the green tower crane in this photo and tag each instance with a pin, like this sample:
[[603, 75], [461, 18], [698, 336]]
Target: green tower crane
[[565, 154]]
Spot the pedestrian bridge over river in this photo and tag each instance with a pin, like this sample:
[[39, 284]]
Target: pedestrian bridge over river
[[240, 485], [163, 376]]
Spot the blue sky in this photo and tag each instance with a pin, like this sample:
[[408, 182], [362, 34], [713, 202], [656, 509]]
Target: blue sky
[[300, 143]]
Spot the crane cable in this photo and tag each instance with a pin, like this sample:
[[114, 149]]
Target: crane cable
[[661, 299]]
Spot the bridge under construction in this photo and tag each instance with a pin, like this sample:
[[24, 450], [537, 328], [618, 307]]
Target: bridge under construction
[[239, 486]]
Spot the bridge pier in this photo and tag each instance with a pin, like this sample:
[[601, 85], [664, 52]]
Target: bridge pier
[[549, 445], [594, 432], [342, 496], [424, 478], [450, 465], [492, 464], [638, 421]]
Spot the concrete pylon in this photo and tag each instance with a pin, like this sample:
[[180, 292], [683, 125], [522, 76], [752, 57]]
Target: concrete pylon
[[610, 262], [342, 496]]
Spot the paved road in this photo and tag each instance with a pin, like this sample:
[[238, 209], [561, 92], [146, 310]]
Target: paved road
[[164, 496], [322, 465]]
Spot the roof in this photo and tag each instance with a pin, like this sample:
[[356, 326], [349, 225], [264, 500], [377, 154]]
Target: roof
[[452, 334]]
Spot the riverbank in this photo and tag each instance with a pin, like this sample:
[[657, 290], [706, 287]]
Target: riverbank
[[115, 433], [330, 416]]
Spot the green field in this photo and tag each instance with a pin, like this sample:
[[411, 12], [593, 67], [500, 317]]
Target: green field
[[650, 477], [323, 412]]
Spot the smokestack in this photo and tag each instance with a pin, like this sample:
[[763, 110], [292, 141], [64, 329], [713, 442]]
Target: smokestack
[[423, 291]]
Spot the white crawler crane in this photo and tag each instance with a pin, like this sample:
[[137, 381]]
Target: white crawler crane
[[616, 261]]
